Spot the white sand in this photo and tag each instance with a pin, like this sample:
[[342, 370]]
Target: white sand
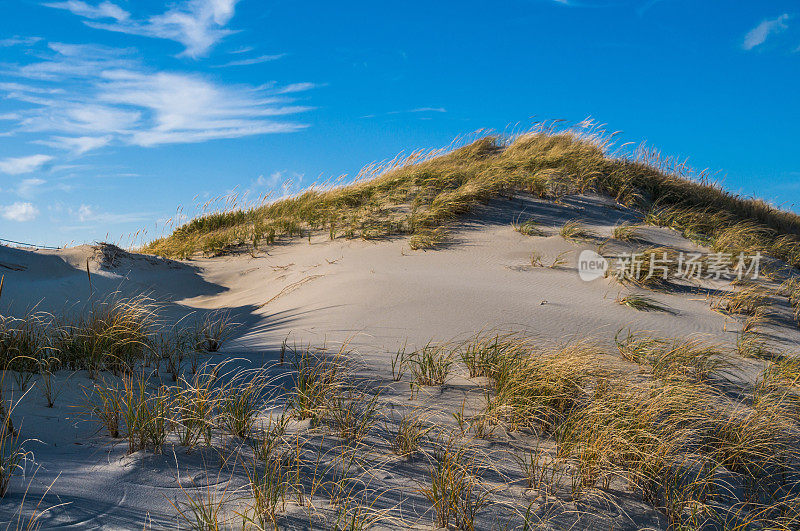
[[378, 295]]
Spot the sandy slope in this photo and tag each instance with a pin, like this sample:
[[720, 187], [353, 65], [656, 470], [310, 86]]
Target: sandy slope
[[378, 295]]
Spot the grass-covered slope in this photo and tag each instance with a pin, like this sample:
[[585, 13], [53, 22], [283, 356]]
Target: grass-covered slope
[[422, 195]]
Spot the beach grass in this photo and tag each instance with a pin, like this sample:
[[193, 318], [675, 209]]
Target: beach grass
[[422, 194]]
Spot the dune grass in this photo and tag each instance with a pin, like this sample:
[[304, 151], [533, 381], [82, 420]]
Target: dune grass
[[422, 194], [528, 227], [626, 232], [667, 433], [642, 303], [574, 231], [674, 438], [115, 334]]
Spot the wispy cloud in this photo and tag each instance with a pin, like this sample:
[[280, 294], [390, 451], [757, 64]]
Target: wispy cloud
[[417, 110], [19, 41], [87, 97], [101, 10], [28, 187], [77, 145], [253, 60], [19, 212], [758, 35], [197, 24], [19, 165], [420, 109], [92, 215]]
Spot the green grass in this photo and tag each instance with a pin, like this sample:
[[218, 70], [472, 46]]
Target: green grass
[[643, 303], [422, 195], [528, 227]]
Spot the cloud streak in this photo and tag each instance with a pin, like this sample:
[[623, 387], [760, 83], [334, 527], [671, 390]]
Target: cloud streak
[[87, 97], [20, 165], [196, 24], [253, 60], [758, 35]]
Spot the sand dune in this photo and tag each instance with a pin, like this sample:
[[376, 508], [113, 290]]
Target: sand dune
[[378, 295]]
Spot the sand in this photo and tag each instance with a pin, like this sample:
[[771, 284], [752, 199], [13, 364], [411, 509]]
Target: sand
[[376, 295]]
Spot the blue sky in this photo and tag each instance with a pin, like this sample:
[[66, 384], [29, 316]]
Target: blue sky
[[113, 113]]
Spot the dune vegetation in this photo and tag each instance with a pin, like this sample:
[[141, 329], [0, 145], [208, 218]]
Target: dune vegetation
[[590, 430], [633, 431], [422, 194]]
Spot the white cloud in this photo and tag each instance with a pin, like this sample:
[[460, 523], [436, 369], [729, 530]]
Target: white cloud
[[27, 188], [19, 212], [18, 165], [759, 34], [186, 108], [296, 87], [253, 60], [197, 24], [78, 145], [278, 185], [90, 214], [102, 10], [75, 117], [85, 213], [19, 41], [90, 96]]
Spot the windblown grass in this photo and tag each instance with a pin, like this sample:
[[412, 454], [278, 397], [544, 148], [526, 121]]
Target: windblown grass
[[642, 303], [528, 227], [674, 439], [573, 230], [421, 194], [625, 232]]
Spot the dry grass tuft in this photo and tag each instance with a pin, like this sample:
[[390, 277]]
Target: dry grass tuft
[[626, 232]]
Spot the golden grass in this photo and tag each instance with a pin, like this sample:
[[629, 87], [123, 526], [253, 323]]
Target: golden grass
[[423, 193], [625, 232], [752, 300]]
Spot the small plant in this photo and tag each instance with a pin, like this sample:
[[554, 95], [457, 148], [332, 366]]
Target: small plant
[[105, 403], [643, 303], [213, 330], [408, 437], [427, 238], [203, 510], [749, 300], [454, 491], [536, 259], [529, 227], [195, 405], [559, 260], [268, 485], [573, 230], [750, 345], [399, 364], [316, 379], [46, 369], [11, 451], [533, 467], [625, 232], [688, 358], [239, 403], [269, 437], [146, 413], [170, 346], [353, 414], [482, 355], [431, 365], [113, 335]]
